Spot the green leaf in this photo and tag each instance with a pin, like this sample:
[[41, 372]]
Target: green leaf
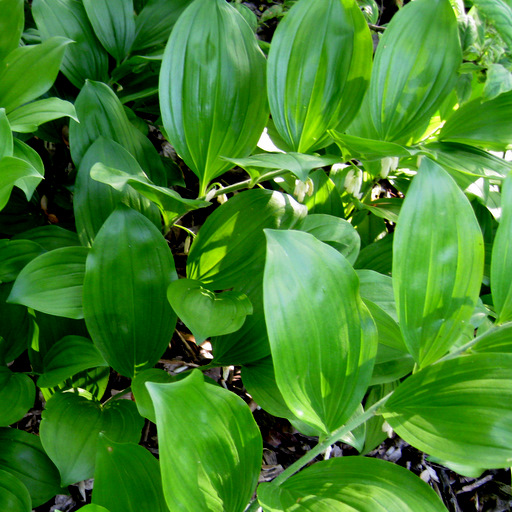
[[318, 70], [341, 351], [170, 203], [14, 496], [415, 68], [6, 135], [297, 163], [336, 232], [429, 408], [102, 115], [377, 256], [93, 202], [22, 455], [499, 13], [27, 118], [94, 508], [155, 22], [125, 292], [438, 258], [25, 152], [498, 80], [482, 123], [19, 173], [11, 26], [501, 263], [325, 198], [70, 427], [86, 58], [213, 434], [67, 357], [206, 313], [29, 71], [49, 237], [52, 283], [113, 22], [496, 339], [351, 484], [14, 255], [212, 88], [17, 396]]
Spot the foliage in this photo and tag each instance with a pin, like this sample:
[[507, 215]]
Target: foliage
[[360, 274]]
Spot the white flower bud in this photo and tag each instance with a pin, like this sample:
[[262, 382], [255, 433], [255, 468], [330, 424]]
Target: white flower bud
[[389, 163], [303, 188], [353, 182]]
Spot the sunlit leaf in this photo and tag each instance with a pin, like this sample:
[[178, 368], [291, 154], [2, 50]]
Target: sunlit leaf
[[496, 339], [11, 25], [499, 13]]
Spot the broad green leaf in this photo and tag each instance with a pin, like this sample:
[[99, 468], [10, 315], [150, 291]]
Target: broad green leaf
[[86, 58], [6, 135], [377, 256], [206, 313], [25, 152], [496, 339], [498, 79], [27, 118], [113, 22], [499, 13], [19, 173], [351, 484], [125, 292], [69, 356], [14, 255], [473, 392], [70, 427], [11, 25], [212, 88], [438, 258], [483, 123], [336, 232], [93, 202], [415, 68], [325, 198], [170, 203], [318, 70], [101, 114], [212, 433], [22, 455], [94, 508], [52, 283], [49, 237], [14, 496], [29, 71], [297, 163], [378, 288], [17, 396], [461, 469], [127, 478], [341, 351], [155, 22], [501, 263]]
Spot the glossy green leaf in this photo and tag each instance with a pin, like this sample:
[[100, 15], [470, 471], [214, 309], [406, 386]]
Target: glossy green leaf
[[206, 313], [91, 507], [86, 58], [351, 484], [501, 263], [127, 478], [125, 292], [496, 339], [341, 351], [101, 114], [14, 255], [170, 203], [438, 258], [336, 232], [212, 88], [487, 124], [17, 396], [325, 198], [378, 288], [14, 496], [212, 433], [25, 152], [6, 134], [93, 202], [499, 13], [297, 163], [155, 22], [473, 392], [49, 237], [52, 283], [318, 70], [22, 455], [415, 68], [11, 25], [19, 173], [29, 71], [113, 22], [70, 427], [67, 357], [27, 118]]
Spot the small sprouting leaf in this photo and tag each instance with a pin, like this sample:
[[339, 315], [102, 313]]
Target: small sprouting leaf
[[17, 396], [206, 313], [14, 496], [212, 432]]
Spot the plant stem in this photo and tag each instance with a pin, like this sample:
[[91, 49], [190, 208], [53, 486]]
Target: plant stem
[[249, 183]]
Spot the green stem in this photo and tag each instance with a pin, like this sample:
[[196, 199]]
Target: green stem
[[253, 506]]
